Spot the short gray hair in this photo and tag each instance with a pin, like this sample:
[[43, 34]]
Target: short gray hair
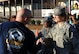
[[24, 13]]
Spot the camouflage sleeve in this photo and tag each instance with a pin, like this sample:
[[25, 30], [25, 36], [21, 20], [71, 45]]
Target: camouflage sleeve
[[50, 33]]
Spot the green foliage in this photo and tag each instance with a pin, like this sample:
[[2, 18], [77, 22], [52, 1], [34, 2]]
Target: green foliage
[[32, 22], [38, 22]]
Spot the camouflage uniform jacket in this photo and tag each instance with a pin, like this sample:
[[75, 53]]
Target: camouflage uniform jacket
[[65, 37]]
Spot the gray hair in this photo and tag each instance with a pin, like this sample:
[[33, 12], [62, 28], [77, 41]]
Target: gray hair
[[24, 13]]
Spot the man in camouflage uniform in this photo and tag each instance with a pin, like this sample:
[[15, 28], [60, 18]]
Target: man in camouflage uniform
[[45, 40], [65, 35]]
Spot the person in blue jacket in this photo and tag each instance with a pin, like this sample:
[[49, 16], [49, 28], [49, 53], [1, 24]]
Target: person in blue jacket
[[15, 37]]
